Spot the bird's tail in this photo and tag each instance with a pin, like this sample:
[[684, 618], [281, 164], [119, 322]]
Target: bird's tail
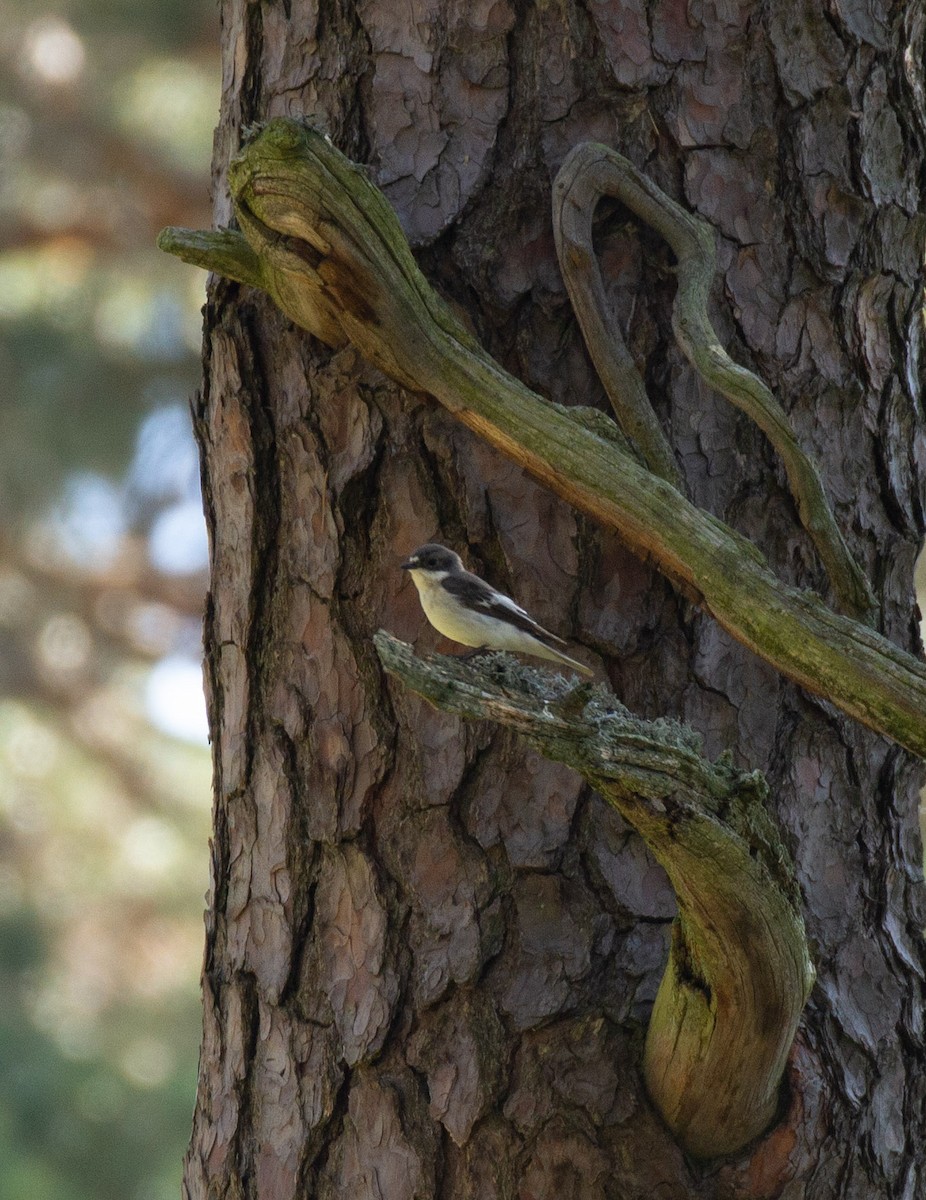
[[558, 656]]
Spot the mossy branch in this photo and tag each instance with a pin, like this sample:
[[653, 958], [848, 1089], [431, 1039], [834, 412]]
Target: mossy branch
[[591, 171], [221, 250], [334, 258], [739, 971], [576, 193]]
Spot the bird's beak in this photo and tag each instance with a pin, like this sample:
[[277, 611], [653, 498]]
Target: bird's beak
[[410, 564]]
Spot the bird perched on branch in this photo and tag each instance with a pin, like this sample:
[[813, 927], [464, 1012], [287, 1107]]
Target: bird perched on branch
[[465, 609]]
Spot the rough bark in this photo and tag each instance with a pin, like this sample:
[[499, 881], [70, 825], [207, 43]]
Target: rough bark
[[430, 953]]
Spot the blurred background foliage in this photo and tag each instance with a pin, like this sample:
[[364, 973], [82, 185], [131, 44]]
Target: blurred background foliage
[[106, 116]]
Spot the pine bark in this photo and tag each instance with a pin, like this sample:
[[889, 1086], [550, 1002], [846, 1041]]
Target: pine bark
[[431, 954]]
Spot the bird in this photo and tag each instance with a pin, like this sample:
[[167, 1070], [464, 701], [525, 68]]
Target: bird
[[466, 609]]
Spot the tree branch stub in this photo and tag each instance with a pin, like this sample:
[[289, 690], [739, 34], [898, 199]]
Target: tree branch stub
[[739, 972]]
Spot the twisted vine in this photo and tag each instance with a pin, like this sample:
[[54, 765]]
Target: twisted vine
[[592, 171], [739, 970]]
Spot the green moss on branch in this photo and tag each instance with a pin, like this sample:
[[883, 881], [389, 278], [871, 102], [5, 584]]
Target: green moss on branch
[[739, 971]]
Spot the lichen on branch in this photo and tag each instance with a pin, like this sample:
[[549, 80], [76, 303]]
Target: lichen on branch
[[739, 971]]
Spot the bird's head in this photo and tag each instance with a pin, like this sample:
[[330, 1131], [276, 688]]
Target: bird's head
[[433, 559]]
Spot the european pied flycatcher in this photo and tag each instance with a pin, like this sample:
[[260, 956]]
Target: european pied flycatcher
[[466, 609]]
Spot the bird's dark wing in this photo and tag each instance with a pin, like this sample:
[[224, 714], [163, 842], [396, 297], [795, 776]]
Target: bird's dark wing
[[476, 594]]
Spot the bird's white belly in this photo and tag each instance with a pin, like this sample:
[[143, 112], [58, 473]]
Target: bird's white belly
[[470, 628]]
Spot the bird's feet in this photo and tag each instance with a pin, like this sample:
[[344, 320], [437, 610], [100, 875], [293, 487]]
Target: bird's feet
[[475, 653]]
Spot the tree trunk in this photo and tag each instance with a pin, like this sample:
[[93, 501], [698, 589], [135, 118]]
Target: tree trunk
[[431, 954]]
